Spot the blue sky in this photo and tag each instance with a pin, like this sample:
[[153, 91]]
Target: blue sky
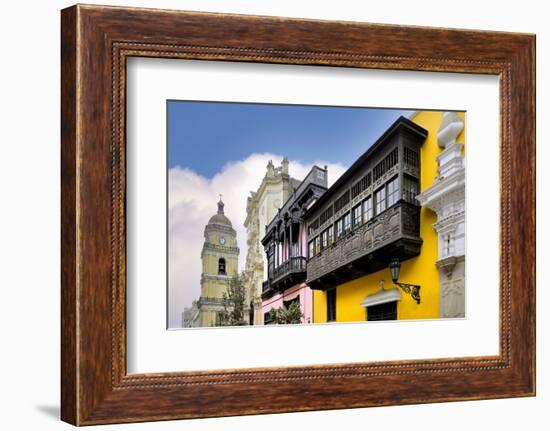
[[204, 136]]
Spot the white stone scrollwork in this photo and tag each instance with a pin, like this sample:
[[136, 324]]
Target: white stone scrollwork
[[446, 197]]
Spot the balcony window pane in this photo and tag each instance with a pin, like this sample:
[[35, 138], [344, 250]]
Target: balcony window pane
[[380, 200], [339, 228], [410, 189], [357, 216], [270, 262], [330, 235], [367, 209], [294, 251], [347, 222], [311, 249], [393, 191], [324, 239]]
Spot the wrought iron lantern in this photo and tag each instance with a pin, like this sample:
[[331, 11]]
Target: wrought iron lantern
[[411, 289]]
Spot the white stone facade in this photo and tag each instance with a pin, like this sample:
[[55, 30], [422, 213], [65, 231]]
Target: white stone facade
[[261, 208], [446, 197]]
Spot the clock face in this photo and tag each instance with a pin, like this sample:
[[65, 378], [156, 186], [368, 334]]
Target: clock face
[[222, 240]]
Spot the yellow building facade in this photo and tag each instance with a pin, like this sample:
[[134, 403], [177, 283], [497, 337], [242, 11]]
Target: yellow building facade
[[421, 270]]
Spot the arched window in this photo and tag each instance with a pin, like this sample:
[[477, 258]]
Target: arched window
[[221, 266]]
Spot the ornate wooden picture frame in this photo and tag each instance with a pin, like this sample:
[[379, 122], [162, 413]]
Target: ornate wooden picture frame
[[96, 42]]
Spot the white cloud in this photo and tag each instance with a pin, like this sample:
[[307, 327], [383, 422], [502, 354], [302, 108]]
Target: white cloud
[[192, 201]]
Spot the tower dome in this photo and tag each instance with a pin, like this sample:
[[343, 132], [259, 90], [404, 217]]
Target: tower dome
[[219, 218]]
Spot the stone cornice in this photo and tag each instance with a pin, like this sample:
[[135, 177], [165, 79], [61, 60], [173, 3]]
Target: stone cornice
[[220, 228], [448, 224], [448, 263], [220, 248], [443, 191], [217, 277], [451, 126]]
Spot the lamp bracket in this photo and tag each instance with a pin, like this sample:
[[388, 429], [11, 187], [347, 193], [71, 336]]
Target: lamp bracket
[[411, 289]]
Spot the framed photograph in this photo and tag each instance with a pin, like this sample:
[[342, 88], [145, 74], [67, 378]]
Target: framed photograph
[[264, 215]]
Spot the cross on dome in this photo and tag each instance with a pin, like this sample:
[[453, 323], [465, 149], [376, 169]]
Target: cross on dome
[[220, 205]]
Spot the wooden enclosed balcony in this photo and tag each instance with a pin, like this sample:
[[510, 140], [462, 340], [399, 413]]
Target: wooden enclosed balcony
[[289, 273], [368, 248]]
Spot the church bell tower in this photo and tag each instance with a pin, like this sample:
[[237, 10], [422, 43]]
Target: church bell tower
[[220, 264]]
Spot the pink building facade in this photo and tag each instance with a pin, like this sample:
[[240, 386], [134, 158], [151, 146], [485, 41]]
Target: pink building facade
[[285, 245], [299, 292]]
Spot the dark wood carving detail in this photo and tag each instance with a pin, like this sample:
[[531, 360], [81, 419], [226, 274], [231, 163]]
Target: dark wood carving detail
[[370, 246]]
